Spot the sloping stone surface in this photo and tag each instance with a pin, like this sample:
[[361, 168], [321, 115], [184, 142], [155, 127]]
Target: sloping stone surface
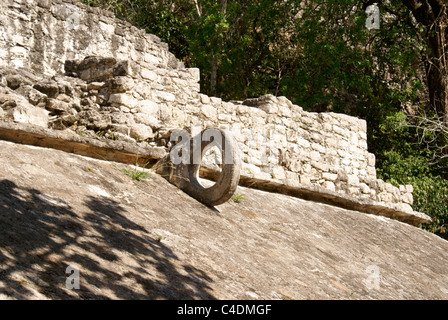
[[149, 240], [129, 153]]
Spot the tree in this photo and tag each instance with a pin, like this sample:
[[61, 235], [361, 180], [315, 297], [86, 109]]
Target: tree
[[432, 14]]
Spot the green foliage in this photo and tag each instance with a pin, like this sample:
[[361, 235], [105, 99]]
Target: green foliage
[[430, 191], [403, 160], [431, 196], [135, 173], [237, 198]]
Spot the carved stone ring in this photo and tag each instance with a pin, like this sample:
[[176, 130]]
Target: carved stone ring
[[185, 173]]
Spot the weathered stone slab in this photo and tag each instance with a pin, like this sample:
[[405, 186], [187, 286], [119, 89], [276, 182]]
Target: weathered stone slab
[[121, 151], [148, 240], [104, 149]]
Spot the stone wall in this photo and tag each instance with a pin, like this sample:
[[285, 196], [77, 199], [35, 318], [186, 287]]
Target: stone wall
[[70, 67]]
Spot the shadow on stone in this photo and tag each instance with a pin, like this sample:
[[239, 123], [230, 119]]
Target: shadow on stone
[[41, 236]]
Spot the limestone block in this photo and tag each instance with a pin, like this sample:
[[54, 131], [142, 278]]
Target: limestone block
[[329, 176], [303, 142], [407, 198], [285, 101], [406, 207], [209, 112], [363, 144], [195, 74], [337, 129], [334, 163], [120, 118], [355, 164], [148, 120], [120, 128], [223, 117], [327, 127], [306, 168], [364, 188], [305, 179], [55, 105], [50, 88], [329, 185], [343, 154], [194, 88], [165, 114], [294, 165], [148, 107], [347, 162], [353, 180], [180, 84], [278, 172], [389, 187], [283, 111], [18, 56], [249, 168], [291, 176], [44, 3], [380, 185], [141, 132], [34, 96], [354, 150], [331, 142], [291, 135], [362, 167], [320, 165], [343, 144], [354, 138], [362, 135], [142, 88], [362, 125], [269, 108], [29, 114], [318, 147], [371, 171], [354, 191], [279, 140], [123, 99], [315, 156], [385, 197], [107, 28], [120, 136], [164, 96], [263, 175], [151, 59], [149, 75]]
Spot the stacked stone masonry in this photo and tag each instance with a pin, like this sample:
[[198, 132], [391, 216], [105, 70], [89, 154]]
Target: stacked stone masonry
[[67, 66]]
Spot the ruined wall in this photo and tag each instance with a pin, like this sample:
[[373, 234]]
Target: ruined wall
[[113, 80]]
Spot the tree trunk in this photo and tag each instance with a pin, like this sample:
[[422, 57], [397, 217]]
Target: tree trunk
[[436, 71], [213, 75], [215, 57], [433, 15]]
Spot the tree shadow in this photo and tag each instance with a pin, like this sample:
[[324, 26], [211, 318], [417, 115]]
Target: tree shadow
[[40, 236]]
